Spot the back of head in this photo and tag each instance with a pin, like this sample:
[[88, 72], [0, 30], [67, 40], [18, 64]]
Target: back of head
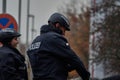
[[7, 34], [59, 18]]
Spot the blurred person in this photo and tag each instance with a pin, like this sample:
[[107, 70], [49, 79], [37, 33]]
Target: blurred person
[[50, 54], [12, 66]]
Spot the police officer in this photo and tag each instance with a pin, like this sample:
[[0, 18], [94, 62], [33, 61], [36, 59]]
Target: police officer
[[50, 54], [12, 66]]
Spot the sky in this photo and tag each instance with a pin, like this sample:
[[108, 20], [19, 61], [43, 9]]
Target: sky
[[41, 9]]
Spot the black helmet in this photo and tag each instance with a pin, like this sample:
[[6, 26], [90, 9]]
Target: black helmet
[[7, 34], [57, 17]]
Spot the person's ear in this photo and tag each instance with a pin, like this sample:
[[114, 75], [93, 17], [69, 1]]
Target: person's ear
[[57, 25]]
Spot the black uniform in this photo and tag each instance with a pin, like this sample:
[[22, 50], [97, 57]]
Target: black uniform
[[12, 66], [52, 58]]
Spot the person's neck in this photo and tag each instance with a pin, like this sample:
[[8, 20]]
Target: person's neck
[[57, 30]]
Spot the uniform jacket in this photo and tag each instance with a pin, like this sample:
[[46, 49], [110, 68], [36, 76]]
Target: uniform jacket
[[52, 58], [12, 66]]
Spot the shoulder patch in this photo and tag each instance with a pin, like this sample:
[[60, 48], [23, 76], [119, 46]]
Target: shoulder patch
[[35, 45]]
